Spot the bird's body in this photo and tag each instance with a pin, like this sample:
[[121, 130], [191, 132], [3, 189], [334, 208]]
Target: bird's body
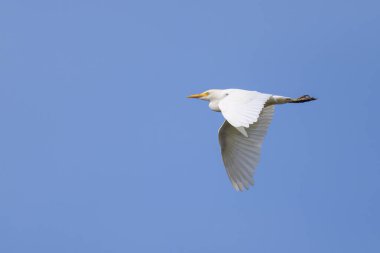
[[248, 115]]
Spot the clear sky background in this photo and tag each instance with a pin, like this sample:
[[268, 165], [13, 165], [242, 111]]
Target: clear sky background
[[100, 151]]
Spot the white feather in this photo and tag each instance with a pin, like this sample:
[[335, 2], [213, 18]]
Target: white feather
[[242, 108], [241, 154]]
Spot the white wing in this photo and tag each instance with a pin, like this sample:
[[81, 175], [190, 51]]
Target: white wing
[[241, 154], [242, 108]]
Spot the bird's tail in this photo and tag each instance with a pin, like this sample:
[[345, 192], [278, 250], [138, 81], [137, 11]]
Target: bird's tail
[[303, 99]]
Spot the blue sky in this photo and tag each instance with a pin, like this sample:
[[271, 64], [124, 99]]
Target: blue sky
[[102, 152]]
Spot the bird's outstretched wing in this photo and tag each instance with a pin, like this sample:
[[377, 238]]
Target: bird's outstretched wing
[[242, 108], [241, 154]]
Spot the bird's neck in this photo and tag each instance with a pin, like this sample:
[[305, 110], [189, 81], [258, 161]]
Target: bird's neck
[[214, 105]]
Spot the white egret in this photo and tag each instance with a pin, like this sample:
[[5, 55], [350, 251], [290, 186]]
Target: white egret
[[247, 117]]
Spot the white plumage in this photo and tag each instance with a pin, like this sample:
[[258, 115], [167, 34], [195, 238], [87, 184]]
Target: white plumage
[[248, 115], [242, 154]]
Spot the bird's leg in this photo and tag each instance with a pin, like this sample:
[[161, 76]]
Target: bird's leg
[[303, 99], [278, 100]]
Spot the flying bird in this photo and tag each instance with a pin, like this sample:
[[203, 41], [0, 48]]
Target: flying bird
[[247, 117]]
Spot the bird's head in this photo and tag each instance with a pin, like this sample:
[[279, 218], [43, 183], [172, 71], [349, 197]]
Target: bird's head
[[210, 95]]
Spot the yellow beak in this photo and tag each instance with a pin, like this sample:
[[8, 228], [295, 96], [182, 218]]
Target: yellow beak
[[201, 95]]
